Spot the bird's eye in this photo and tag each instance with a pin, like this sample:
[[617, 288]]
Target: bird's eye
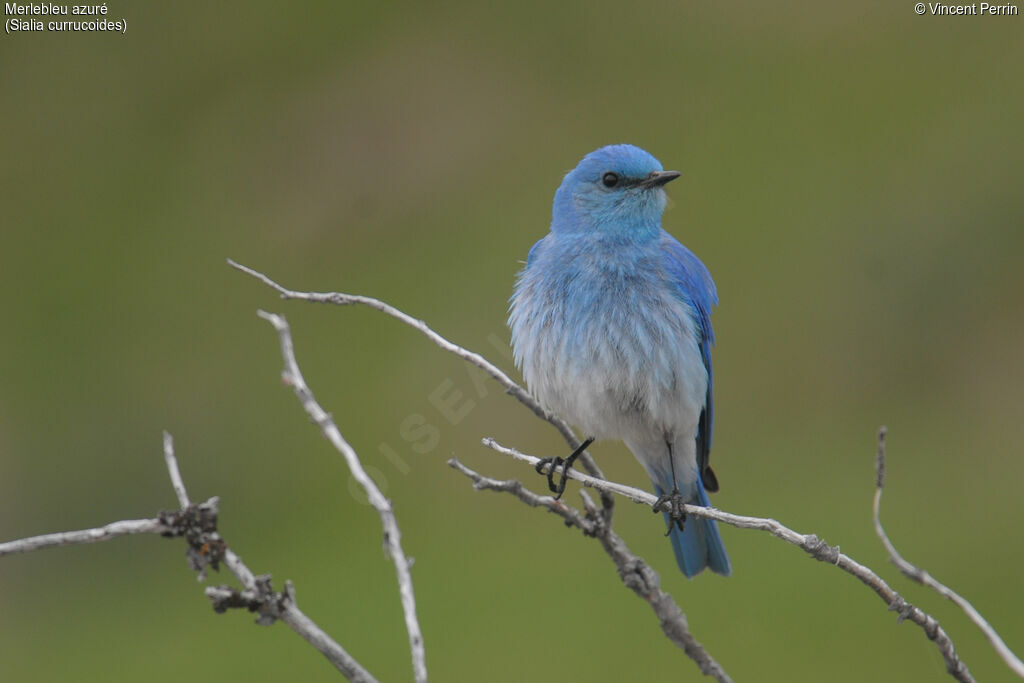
[[610, 179]]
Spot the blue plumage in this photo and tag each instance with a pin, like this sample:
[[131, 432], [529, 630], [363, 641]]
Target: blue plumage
[[611, 328]]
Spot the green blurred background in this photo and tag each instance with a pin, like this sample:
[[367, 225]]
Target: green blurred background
[[852, 177]]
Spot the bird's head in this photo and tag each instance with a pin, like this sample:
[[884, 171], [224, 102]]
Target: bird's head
[[616, 189]]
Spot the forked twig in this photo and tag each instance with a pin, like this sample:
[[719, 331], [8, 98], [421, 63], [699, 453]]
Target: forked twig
[[510, 386], [915, 573], [633, 570], [197, 523], [809, 543]]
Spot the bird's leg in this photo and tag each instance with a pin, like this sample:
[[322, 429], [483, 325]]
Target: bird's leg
[[674, 497], [565, 463]]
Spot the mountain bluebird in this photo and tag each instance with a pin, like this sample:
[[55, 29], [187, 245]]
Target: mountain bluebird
[[611, 328]]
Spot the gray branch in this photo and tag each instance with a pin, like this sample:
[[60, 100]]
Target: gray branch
[[633, 570], [172, 467], [809, 543], [207, 548], [510, 386], [588, 523], [292, 376], [922, 577], [197, 523], [104, 533]]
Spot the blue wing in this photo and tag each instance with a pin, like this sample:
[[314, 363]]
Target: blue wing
[[695, 286]]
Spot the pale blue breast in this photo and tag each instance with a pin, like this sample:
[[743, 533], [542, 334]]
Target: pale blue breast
[[607, 342]]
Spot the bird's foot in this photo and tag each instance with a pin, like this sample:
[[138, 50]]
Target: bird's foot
[[676, 513], [552, 464], [565, 463]]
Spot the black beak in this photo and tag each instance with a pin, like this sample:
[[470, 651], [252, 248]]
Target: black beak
[[659, 178]]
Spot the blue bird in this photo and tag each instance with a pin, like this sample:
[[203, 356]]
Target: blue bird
[[611, 329]]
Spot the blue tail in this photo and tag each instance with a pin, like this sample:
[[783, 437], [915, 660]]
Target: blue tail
[[699, 545]]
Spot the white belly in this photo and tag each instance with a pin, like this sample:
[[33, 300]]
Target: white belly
[[633, 372]]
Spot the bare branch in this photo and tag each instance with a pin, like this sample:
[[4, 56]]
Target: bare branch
[[922, 577], [208, 549], [198, 525], [292, 376], [172, 469], [510, 386], [104, 533], [634, 571], [571, 515], [809, 543]]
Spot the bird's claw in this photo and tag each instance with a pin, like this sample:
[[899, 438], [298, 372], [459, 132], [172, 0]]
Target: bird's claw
[[552, 464], [676, 513], [565, 463]]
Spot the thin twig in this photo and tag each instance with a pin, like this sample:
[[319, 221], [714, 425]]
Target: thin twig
[[172, 468], [915, 573], [634, 572], [510, 386], [104, 533], [809, 543], [209, 548], [292, 376], [198, 525], [258, 595]]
